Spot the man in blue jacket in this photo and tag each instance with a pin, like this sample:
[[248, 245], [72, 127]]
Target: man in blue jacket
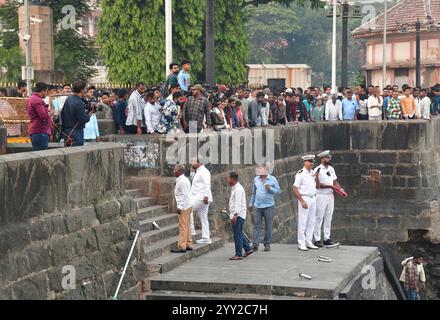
[[74, 117], [263, 200]]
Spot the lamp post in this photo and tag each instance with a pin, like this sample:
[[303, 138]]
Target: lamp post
[[168, 34], [385, 26], [418, 80], [27, 45], [334, 86], [210, 43], [344, 55]]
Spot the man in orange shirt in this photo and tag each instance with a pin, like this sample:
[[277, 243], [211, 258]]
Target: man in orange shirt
[[408, 104]]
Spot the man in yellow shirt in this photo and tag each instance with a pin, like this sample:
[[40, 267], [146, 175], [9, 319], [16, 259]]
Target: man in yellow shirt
[[408, 104]]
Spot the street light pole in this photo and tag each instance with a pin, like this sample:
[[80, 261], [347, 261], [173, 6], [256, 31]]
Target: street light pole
[[210, 43], [418, 80], [27, 45], [168, 34], [344, 62], [385, 30], [334, 86]]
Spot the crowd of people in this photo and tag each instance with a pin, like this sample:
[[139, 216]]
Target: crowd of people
[[178, 105]]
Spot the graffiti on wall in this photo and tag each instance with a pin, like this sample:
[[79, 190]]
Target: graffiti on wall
[[141, 155]]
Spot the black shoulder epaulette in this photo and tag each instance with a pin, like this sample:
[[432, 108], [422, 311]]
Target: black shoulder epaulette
[[300, 171]]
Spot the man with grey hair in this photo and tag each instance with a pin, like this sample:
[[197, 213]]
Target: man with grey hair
[[333, 109], [182, 193], [263, 199]]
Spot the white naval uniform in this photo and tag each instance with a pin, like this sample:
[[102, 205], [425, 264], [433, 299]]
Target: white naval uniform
[[325, 202], [306, 184]]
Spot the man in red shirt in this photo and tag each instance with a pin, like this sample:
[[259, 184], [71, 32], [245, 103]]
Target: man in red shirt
[[40, 127]]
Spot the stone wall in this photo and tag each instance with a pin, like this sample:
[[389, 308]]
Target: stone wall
[[3, 138], [66, 207], [390, 170]]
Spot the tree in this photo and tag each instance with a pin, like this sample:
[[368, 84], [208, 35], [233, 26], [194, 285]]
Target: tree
[[188, 24], [256, 3], [231, 43], [11, 60], [268, 28], [74, 54], [131, 37]]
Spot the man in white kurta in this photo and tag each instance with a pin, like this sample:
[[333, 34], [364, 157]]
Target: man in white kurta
[[304, 190], [182, 193], [201, 198], [325, 200]]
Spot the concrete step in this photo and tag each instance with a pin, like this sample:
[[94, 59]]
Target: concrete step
[[134, 193], [187, 295], [145, 202], [173, 260], [163, 247], [162, 221], [152, 212], [153, 236]]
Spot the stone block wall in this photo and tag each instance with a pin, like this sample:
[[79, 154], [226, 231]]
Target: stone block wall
[[66, 207]]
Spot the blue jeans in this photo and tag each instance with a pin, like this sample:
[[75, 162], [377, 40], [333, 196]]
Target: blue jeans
[[413, 295], [40, 141], [76, 135], [239, 239], [267, 214]]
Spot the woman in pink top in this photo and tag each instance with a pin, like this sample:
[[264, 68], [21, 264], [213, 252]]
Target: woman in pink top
[[40, 127]]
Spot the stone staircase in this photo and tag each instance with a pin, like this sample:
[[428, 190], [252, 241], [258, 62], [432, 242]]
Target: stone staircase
[[157, 244]]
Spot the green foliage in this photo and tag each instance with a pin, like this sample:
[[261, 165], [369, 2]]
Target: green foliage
[[268, 29], [231, 43], [9, 21], [73, 52], [256, 3], [11, 59], [308, 40], [71, 46], [131, 37], [188, 33]]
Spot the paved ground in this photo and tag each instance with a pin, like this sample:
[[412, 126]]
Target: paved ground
[[274, 272]]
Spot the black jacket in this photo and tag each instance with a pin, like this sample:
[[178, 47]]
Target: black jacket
[[74, 113]]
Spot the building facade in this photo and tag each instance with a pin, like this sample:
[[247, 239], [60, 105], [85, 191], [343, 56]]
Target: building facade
[[401, 44]]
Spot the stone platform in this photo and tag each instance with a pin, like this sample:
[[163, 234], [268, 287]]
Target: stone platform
[[269, 275]]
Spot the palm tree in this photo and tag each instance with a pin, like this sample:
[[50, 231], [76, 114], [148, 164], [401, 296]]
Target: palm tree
[[11, 61]]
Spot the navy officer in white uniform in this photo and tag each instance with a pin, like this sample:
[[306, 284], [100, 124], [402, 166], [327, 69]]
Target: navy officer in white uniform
[[304, 190], [326, 182]]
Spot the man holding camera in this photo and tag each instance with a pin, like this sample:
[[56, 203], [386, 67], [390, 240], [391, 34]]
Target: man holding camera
[[74, 117]]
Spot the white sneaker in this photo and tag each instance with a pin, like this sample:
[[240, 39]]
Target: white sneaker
[[302, 248], [312, 246], [204, 241]]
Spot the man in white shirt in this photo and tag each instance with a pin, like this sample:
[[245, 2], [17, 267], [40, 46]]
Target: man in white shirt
[[325, 200], [152, 112], [135, 108], [304, 190], [374, 105], [182, 194], [237, 213], [333, 109], [201, 198], [423, 105]]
